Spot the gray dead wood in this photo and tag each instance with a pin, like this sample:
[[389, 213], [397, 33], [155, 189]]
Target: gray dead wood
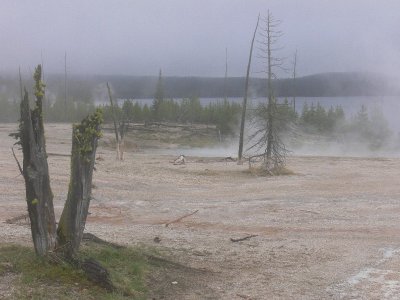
[[73, 218], [243, 238], [118, 140], [179, 219], [35, 169], [246, 92]]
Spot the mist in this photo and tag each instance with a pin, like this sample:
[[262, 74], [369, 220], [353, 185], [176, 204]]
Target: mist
[[188, 38]]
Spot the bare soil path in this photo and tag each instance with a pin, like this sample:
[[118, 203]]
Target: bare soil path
[[331, 231]]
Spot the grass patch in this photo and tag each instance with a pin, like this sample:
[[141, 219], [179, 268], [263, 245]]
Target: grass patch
[[38, 279], [127, 267]]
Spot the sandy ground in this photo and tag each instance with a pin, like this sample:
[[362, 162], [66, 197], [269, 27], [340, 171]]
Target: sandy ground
[[331, 231]]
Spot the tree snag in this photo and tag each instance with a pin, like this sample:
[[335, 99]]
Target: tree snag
[[39, 196], [246, 91], [267, 135], [73, 219], [119, 128], [48, 241]]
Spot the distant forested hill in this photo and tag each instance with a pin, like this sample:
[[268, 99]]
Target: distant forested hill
[[319, 85], [327, 84]]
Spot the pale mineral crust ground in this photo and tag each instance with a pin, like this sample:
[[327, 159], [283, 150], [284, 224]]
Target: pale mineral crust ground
[[330, 231]]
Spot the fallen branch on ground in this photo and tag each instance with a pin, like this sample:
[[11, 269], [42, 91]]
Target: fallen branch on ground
[[244, 296], [310, 211], [58, 154], [229, 158], [17, 218], [179, 219], [243, 238]]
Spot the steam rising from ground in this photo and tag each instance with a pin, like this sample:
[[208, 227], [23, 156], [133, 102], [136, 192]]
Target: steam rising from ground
[[339, 143], [308, 148]]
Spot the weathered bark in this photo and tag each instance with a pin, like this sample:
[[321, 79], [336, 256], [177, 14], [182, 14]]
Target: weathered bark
[[246, 91], [73, 219], [39, 196]]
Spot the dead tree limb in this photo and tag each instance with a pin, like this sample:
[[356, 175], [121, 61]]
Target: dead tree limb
[[179, 219], [58, 154], [16, 160], [244, 297], [243, 238]]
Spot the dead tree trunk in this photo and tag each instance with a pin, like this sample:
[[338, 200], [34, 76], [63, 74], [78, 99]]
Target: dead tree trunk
[[73, 219], [294, 80], [246, 91], [117, 139], [39, 196], [268, 135]]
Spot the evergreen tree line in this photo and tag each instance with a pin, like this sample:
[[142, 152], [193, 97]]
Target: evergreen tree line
[[223, 114], [368, 127], [59, 111]]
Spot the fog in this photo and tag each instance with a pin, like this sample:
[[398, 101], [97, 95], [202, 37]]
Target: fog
[[188, 38]]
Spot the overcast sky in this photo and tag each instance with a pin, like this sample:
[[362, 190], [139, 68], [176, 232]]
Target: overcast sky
[[189, 37]]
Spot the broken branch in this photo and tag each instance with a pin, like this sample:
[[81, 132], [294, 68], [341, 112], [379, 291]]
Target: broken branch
[[243, 239], [16, 159], [179, 219]]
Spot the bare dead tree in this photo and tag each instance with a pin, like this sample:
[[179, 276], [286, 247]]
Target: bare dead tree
[[35, 170], [246, 92], [119, 127], [267, 135], [226, 74], [20, 84], [59, 245], [65, 80], [294, 79], [39, 196], [73, 219]]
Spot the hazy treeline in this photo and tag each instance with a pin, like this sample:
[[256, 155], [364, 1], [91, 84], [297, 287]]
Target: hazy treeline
[[223, 114], [367, 127], [59, 111], [87, 88]]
